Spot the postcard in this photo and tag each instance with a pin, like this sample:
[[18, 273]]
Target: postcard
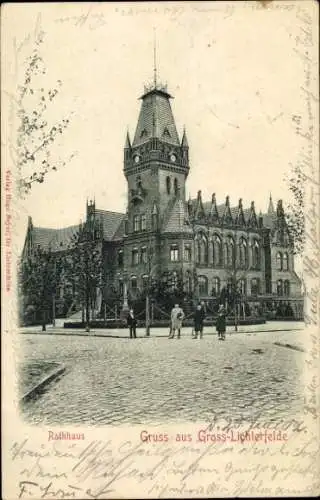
[[160, 250]]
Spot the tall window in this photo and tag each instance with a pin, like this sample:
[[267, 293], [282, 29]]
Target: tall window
[[242, 286], [255, 285], [144, 255], [279, 261], [243, 255], [168, 184], [202, 249], [176, 186], [120, 287], [120, 258], [279, 288], [134, 283], [174, 253], [135, 257], [255, 255], [216, 287], [143, 222], [285, 262], [217, 251], [187, 253], [203, 285], [188, 282], [229, 252], [286, 288], [136, 223]]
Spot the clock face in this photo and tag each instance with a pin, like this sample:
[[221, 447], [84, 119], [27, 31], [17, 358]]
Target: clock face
[[173, 158], [137, 159]]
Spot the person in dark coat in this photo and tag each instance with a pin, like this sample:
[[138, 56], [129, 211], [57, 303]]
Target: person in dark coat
[[203, 315], [221, 323], [198, 321], [132, 324]]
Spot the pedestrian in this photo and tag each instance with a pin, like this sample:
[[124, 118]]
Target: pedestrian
[[132, 324], [221, 323], [198, 320], [203, 315], [177, 316]]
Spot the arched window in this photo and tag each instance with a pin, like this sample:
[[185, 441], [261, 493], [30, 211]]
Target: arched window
[[203, 285], [143, 222], [216, 287], [255, 286], [120, 258], [279, 288], [242, 288], [285, 262], [286, 288], [255, 255], [229, 252], [121, 287], [134, 283], [188, 282], [136, 223], [201, 249], [176, 186], [168, 184], [217, 251], [243, 254], [279, 261]]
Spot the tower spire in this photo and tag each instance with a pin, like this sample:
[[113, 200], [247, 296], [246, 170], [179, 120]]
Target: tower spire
[[270, 207], [154, 58]]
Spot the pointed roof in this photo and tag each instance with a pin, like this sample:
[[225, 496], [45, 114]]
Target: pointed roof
[[156, 118], [270, 207], [128, 142], [184, 142], [199, 210]]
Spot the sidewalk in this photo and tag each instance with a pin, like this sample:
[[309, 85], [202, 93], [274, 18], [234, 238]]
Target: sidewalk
[[271, 326]]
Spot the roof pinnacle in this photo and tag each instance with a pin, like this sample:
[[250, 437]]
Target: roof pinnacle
[[154, 58]]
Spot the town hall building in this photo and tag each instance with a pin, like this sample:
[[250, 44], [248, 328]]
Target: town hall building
[[209, 246]]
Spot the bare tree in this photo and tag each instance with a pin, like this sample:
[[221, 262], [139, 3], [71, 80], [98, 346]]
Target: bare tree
[[37, 132], [295, 213], [84, 268]]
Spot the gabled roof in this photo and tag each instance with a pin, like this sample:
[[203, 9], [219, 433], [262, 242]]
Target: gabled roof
[[110, 222], [54, 239], [178, 219]]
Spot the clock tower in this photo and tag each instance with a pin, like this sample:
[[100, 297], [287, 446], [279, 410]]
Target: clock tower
[[156, 163]]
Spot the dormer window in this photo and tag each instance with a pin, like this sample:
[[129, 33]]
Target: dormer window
[[143, 133], [166, 133]]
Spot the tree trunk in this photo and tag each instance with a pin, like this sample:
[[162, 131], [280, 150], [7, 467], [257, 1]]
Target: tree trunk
[[53, 310], [87, 312], [44, 317], [147, 316], [235, 318]]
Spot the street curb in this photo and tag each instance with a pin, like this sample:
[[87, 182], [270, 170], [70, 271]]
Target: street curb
[[290, 346], [89, 334], [41, 385]]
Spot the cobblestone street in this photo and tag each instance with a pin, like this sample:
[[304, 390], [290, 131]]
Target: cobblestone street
[[152, 380]]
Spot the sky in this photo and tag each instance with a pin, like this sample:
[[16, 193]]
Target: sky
[[231, 67]]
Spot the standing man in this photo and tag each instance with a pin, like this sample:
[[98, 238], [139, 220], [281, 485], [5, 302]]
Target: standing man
[[177, 316], [132, 324], [203, 315], [197, 321], [221, 323]]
